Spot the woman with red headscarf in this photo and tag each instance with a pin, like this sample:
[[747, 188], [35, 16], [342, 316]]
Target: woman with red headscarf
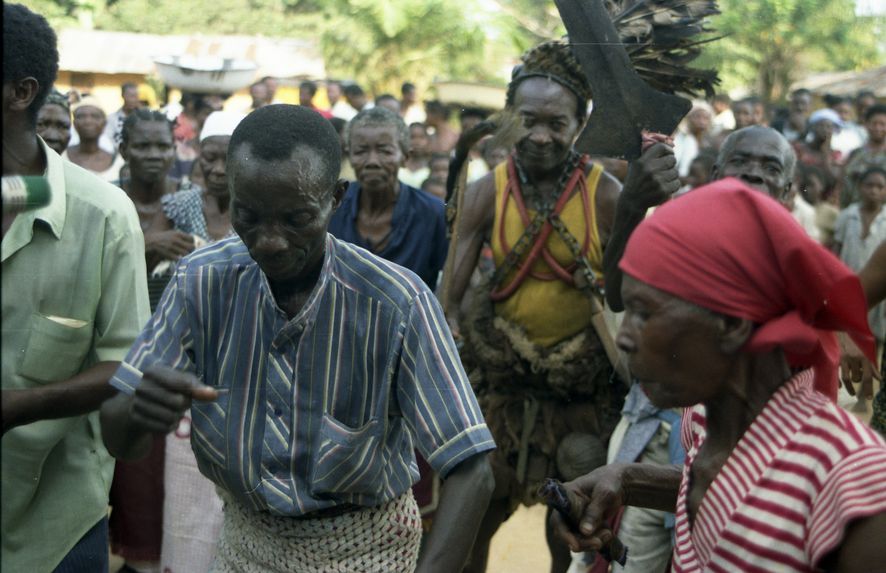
[[730, 312]]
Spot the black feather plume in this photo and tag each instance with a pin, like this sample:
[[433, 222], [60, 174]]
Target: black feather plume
[[662, 37]]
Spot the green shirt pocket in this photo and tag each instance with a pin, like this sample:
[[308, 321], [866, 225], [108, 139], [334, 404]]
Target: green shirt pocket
[[57, 348]]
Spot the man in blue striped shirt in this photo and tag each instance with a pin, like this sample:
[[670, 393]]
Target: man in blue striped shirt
[[314, 367]]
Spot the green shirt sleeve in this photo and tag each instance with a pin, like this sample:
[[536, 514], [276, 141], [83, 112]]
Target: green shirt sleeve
[[123, 308]]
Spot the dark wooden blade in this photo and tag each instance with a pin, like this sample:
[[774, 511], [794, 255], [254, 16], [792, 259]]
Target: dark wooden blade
[[624, 105]]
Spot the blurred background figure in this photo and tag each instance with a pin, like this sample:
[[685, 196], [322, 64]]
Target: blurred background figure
[[493, 154], [815, 148], [388, 101], [259, 94], [743, 114], [793, 125], [816, 187], [89, 123], [340, 108], [723, 118], [435, 186], [699, 171], [851, 135], [871, 154], [416, 169], [306, 92], [761, 113], [439, 165], [272, 85], [468, 118], [693, 136], [132, 100], [357, 98], [341, 126], [411, 108], [54, 121], [443, 137]]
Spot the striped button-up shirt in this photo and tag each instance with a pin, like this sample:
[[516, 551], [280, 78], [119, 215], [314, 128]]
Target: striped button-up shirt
[[322, 409]]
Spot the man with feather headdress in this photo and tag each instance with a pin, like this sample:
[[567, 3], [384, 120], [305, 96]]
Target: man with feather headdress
[[550, 393]]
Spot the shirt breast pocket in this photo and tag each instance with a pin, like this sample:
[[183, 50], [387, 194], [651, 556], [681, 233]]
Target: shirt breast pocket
[[57, 348], [347, 461]]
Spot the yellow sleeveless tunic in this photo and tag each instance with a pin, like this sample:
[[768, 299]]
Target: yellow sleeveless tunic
[[549, 311]]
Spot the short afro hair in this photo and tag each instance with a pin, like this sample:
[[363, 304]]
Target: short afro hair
[[310, 86], [274, 132], [353, 90], [30, 49], [380, 117], [876, 109], [142, 115]]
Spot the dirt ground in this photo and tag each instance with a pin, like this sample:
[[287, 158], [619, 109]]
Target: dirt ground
[[519, 546]]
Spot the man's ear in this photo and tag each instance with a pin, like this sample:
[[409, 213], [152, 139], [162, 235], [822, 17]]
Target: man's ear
[[734, 333], [24, 92], [338, 193]]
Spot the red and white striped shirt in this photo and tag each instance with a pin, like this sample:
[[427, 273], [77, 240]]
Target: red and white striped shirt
[[802, 471]]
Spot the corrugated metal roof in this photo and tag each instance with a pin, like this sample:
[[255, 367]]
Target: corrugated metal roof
[[91, 51], [846, 83]]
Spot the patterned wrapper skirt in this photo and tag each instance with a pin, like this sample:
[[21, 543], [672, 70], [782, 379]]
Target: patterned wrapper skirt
[[383, 539]]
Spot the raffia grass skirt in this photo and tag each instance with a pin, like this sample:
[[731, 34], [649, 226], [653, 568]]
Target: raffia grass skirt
[[377, 539]]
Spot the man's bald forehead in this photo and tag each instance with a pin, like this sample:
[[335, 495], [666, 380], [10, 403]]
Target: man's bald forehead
[[758, 136], [310, 166]]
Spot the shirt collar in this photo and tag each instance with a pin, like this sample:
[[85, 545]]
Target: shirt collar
[[54, 213], [308, 313]]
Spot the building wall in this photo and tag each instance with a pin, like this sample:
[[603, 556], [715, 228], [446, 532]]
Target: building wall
[[104, 87]]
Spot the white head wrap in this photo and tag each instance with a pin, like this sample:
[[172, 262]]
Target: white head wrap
[[221, 123], [826, 114]]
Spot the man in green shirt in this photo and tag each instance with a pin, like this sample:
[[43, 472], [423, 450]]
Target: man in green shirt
[[74, 297]]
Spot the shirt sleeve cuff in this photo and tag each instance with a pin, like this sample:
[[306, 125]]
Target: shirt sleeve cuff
[[126, 379], [471, 441]]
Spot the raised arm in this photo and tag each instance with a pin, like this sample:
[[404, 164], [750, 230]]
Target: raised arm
[[651, 181]]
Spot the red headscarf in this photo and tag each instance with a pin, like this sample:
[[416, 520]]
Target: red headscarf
[[734, 250]]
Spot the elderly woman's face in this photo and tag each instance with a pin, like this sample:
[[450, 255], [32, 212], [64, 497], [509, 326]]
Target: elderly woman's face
[[672, 346]]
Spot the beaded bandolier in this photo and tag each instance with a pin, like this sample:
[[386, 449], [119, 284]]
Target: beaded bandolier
[[530, 245]]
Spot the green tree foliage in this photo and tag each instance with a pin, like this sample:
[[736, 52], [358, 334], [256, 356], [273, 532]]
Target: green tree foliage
[[769, 44], [380, 44], [526, 23]]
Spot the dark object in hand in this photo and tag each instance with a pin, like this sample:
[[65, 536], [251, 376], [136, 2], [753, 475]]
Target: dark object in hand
[[557, 497]]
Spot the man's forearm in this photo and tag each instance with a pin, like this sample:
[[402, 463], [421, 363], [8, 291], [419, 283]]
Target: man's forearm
[[75, 396], [627, 218], [651, 485], [120, 437], [463, 501]]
